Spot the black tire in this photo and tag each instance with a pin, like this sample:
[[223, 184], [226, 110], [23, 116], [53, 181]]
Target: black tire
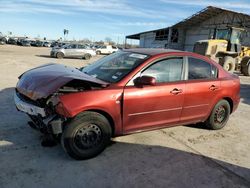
[[86, 136], [98, 52], [87, 56], [59, 55], [229, 64], [219, 116], [245, 66]]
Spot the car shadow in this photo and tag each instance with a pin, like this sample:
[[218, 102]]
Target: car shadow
[[124, 164], [197, 126], [245, 93]]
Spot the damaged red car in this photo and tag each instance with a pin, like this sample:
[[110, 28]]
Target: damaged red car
[[126, 92]]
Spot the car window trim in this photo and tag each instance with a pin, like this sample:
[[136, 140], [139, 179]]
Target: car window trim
[[138, 74], [201, 79]]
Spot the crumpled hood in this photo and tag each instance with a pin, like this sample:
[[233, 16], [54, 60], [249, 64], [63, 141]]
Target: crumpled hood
[[43, 81]]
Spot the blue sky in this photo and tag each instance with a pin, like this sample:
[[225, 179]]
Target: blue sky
[[97, 19]]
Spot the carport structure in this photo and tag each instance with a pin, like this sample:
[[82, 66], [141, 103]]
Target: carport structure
[[199, 26]]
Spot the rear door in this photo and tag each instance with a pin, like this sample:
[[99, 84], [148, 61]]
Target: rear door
[[149, 107], [201, 90]]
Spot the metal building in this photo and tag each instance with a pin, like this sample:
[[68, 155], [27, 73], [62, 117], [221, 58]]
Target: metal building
[[199, 26]]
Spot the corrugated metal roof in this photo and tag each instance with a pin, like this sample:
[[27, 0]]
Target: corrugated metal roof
[[197, 18], [206, 14]]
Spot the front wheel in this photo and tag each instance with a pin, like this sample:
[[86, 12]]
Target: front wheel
[[219, 116], [86, 136]]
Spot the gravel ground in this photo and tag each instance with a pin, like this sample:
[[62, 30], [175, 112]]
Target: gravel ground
[[184, 156]]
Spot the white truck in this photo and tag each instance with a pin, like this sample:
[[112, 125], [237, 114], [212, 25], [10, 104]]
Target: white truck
[[109, 49]]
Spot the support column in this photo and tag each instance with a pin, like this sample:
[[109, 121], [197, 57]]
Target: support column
[[169, 36]]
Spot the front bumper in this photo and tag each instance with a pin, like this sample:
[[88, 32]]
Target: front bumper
[[43, 122], [28, 108]]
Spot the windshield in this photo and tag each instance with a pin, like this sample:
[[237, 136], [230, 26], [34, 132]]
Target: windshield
[[114, 67]]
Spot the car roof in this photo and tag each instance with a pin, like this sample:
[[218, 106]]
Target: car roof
[[151, 51]]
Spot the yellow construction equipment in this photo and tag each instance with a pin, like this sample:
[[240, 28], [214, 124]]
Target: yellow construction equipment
[[225, 48]]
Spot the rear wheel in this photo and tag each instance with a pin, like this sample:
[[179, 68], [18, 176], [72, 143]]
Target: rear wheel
[[219, 116], [245, 66], [229, 64], [98, 52], [59, 55], [87, 56], [86, 136]]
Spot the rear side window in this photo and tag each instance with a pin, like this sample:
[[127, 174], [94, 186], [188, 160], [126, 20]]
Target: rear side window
[[168, 70], [199, 69]]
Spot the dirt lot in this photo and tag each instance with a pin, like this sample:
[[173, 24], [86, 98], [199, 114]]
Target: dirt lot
[[185, 156]]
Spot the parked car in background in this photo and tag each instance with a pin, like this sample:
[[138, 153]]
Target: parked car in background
[[20, 41], [3, 40], [54, 44], [126, 92], [12, 41], [26, 43], [46, 44], [33, 43], [39, 43], [109, 49], [72, 50], [58, 44]]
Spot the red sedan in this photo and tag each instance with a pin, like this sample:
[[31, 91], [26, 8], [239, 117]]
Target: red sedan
[[126, 92]]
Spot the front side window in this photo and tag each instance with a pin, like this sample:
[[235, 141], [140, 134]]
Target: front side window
[[199, 69], [168, 70]]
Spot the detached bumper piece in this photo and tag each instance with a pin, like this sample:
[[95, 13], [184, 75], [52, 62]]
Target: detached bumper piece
[[47, 124], [28, 108]]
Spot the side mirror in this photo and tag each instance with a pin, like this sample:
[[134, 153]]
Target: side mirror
[[145, 80]]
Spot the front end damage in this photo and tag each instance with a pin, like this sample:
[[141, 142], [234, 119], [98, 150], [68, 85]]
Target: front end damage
[[38, 91]]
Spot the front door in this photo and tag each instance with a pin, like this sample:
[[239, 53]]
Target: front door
[[149, 107]]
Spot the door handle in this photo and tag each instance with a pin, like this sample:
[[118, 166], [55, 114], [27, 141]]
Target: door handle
[[176, 91], [213, 87]]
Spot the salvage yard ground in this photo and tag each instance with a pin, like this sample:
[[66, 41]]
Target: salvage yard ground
[[185, 156]]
